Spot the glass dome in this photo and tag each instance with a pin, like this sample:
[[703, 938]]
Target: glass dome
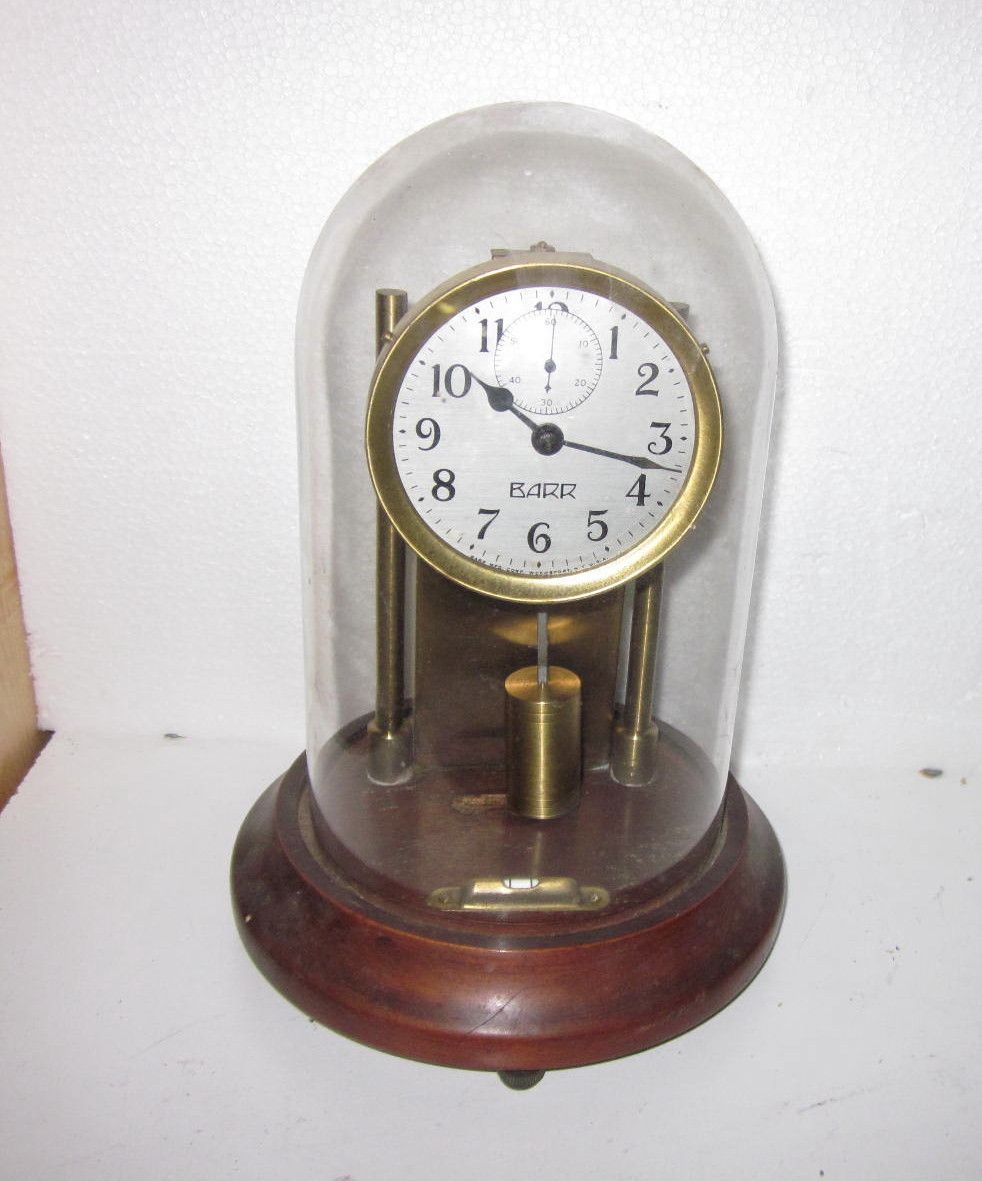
[[433, 818]]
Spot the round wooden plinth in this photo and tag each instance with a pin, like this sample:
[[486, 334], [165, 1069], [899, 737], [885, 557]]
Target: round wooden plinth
[[397, 979]]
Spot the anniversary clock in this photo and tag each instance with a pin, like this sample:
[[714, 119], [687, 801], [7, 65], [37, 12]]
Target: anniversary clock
[[531, 486]]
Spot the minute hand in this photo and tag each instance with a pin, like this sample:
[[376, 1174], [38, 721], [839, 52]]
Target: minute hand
[[548, 438], [637, 460]]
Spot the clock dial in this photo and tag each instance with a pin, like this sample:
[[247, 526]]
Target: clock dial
[[585, 483], [544, 430]]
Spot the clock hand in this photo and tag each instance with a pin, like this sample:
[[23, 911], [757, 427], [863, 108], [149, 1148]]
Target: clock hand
[[502, 399], [636, 460], [551, 364], [548, 438], [523, 417]]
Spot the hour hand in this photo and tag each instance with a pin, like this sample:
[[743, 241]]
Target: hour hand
[[500, 398]]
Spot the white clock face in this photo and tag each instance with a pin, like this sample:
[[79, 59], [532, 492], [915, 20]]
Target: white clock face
[[543, 430]]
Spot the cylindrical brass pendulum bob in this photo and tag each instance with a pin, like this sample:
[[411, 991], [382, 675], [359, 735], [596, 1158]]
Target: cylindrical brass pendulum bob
[[543, 742]]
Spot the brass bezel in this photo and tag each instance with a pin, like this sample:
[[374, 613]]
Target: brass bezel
[[482, 282]]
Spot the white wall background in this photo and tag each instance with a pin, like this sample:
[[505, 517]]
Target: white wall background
[[164, 170]]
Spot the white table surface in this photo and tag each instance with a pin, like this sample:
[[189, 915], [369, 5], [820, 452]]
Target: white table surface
[[138, 1040]]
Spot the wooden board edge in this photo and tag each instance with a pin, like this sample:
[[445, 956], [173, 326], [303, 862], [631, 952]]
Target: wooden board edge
[[20, 739]]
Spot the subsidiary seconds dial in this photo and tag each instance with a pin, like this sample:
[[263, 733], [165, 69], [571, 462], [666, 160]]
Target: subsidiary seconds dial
[[549, 358], [543, 432]]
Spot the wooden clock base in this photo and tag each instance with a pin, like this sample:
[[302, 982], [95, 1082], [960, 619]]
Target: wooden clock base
[[397, 979]]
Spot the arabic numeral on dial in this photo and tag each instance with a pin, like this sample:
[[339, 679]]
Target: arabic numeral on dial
[[538, 539], [491, 514], [443, 488], [593, 522], [556, 305], [649, 371], [663, 444], [428, 429], [500, 330], [639, 491], [450, 381]]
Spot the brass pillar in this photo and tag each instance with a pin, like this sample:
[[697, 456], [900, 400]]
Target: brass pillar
[[635, 739], [391, 756]]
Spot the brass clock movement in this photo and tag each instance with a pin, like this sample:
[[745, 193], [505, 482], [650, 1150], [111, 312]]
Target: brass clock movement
[[529, 854]]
